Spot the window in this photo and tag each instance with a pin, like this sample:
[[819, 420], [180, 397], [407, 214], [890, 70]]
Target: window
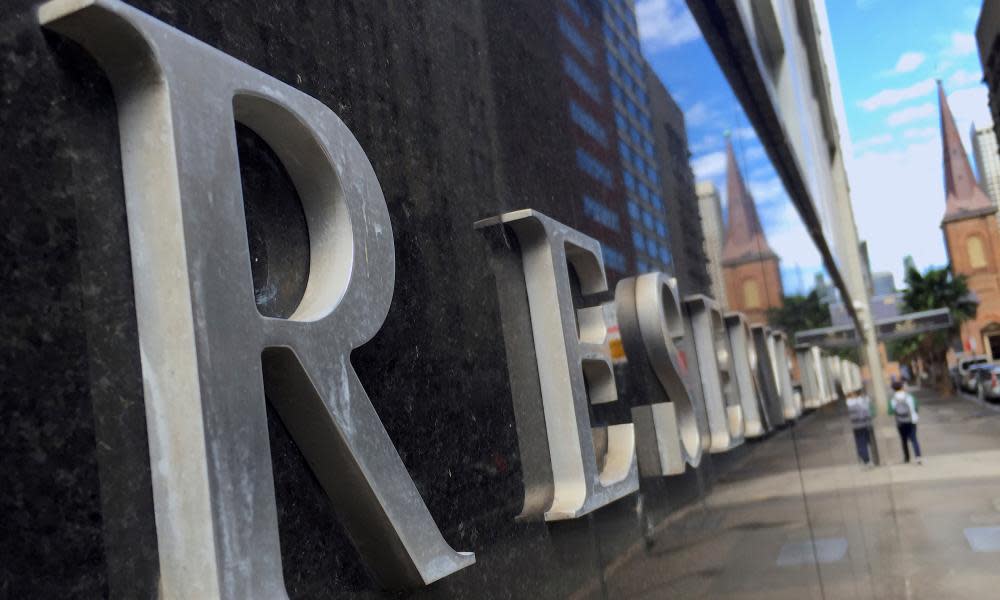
[[651, 248], [642, 267], [574, 37], [661, 230], [977, 255], [624, 150], [593, 167], [664, 255], [577, 74], [600, 213], [574, 5], [588, 123], [751, 294], [647, 220], [638, 240], [613, 259], [629, 180], [633, 209]]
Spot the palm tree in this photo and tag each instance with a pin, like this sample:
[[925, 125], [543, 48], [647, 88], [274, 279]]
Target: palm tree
[[936, 288]]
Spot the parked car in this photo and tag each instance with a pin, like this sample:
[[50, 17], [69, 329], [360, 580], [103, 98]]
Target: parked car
[[987, 381], [960, 374]]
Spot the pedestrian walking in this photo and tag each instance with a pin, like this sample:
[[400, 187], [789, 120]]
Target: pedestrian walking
[[859, 410], [904, 406]]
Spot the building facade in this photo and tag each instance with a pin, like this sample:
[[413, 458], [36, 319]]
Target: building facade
[[988, 42], [987, 157], [778, 57], [640, 172], [684, 225], [710, 210], [971, 235], [749, 265]]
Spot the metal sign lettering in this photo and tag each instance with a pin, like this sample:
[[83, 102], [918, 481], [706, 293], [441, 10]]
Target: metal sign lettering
[[725, 415], [745, 373], [208, 355], [574, 367], [652, 328]]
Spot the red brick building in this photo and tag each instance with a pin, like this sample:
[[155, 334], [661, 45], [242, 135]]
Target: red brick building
[[749, 266], [972, 237]]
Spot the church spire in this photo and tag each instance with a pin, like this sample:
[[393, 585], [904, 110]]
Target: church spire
[[745, 240], [964, 197]]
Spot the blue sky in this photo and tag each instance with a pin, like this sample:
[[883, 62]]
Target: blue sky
[[888, 53]]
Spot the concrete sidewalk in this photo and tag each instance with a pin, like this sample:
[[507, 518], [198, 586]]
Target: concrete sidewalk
[[799, 518]]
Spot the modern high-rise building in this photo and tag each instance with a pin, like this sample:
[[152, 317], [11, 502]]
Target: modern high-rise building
[[987, 155], [647, 212], [710, 209], [677, 183]]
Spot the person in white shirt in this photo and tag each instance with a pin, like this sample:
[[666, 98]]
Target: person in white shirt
[[904, 406], [860, 412]]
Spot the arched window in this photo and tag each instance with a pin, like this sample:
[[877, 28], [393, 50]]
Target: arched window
[[751, 293], [977, 254]]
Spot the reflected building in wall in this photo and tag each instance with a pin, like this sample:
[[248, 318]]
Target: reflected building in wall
[[749, 265], [710, 209], [971, 235], [988, 41], [677, 182], [637, 151], [987, 156]]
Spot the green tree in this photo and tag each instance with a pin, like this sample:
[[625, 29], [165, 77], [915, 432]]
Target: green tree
[[936, 288], [799, 313]]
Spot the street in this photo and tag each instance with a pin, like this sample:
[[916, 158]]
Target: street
[[896, 531]]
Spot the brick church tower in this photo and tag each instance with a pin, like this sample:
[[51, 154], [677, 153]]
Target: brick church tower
[[749, 266], [972, 237]]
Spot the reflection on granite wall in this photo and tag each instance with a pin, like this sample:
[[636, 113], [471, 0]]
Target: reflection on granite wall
[[417, 82]]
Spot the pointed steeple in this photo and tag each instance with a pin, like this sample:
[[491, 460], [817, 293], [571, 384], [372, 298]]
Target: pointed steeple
[[964, 197], [745, 240]]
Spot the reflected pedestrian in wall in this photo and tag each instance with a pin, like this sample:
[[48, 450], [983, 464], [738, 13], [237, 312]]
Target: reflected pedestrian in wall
[[859, 409], [904, 406]]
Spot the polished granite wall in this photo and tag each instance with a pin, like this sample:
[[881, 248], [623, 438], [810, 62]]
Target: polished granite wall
[[430, 90]]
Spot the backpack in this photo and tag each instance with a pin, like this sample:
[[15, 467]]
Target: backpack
[[859, 413], [902, 410]]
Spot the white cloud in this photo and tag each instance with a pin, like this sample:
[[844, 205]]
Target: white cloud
[[960, 44], [709, 165], [920, 132], [787, 236], [665, 24], [744, 133], [698, 114], [898, 200], [708, 142], [898, 194], [962, 77], [909, 61], [968, 106], [875, 140], [766, 189], [913, 113], [893, 96], [754, 153]]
